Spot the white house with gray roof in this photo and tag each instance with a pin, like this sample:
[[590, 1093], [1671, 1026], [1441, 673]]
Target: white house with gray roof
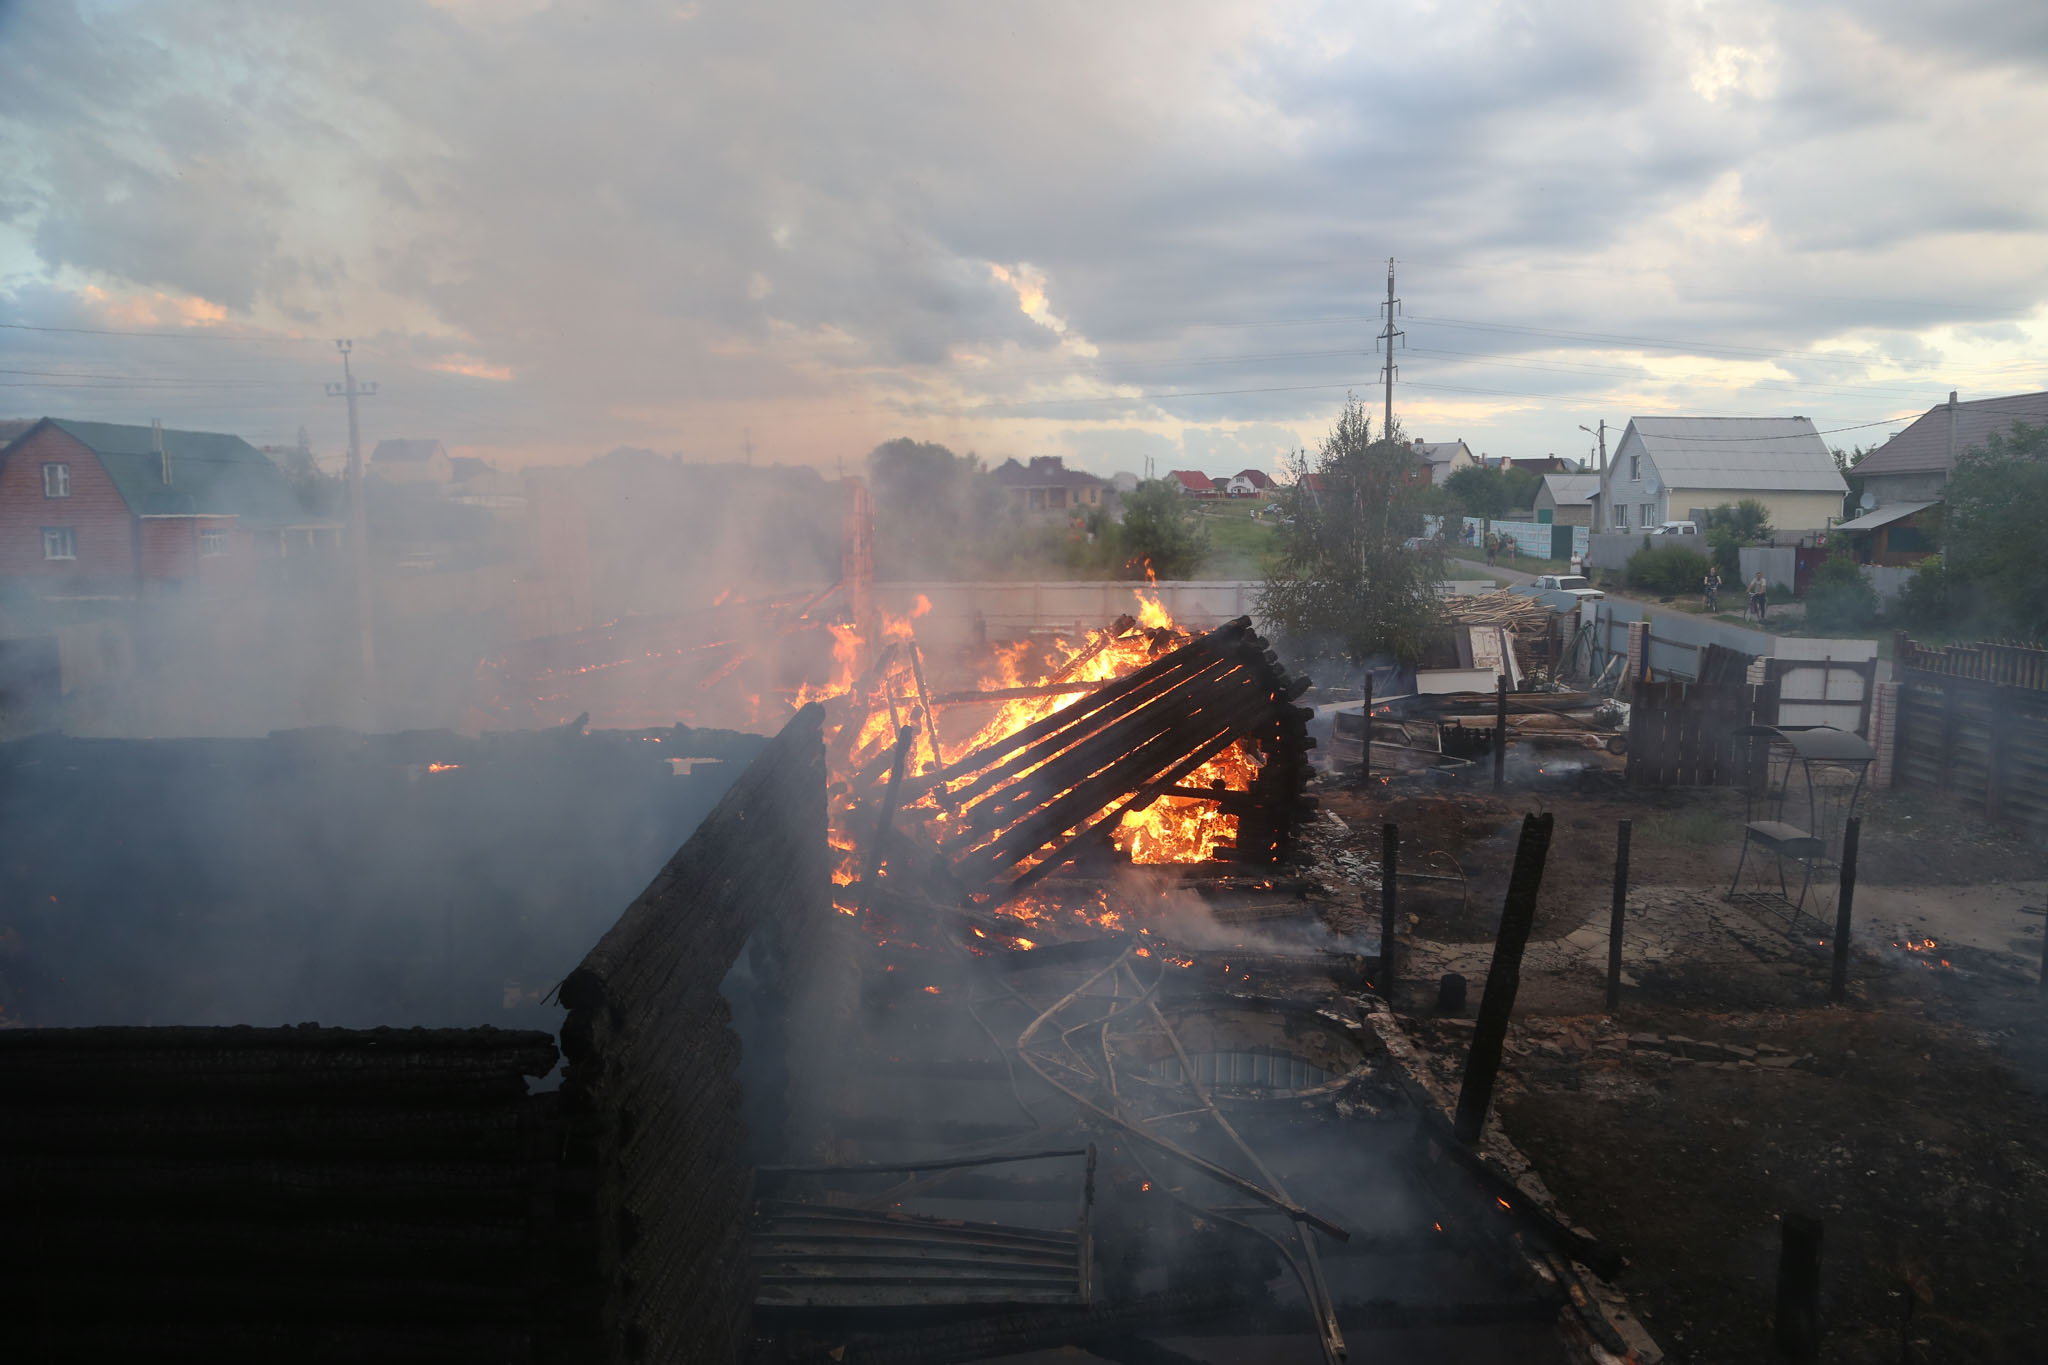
[[1444, 458], [1679, 468]]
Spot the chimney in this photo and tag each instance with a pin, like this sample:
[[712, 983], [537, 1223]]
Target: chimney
[[163, 457]]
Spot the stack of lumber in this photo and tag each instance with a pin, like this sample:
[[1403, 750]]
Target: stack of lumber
[[1528, 622], [303, 1194], [1057, 789]]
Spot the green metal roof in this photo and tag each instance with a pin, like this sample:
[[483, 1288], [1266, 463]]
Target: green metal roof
[[211, 474]]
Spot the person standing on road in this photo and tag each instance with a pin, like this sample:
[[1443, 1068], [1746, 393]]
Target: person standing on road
[[1759, 587], [1492, 548], [1712, 585]]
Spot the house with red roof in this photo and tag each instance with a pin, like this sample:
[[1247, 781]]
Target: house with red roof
[[1194, 483]]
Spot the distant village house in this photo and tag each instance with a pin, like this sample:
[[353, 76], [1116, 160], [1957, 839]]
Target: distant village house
[[1681, 468], [1193, 483], [96, 509], [1564, 499], [420, 461], [1047, 487], [1248, 483]]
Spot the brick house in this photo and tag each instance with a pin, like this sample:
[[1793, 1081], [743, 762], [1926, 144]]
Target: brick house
[[1046, 486], [91, 509]]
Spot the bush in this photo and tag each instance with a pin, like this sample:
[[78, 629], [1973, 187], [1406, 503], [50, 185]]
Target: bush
[[1667, 568], [1840, 598], [1923, 603]]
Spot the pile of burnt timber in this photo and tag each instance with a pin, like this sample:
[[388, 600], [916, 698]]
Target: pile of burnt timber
[[1055, 791], [276, 1194]]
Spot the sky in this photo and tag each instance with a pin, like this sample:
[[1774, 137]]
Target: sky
[[1139, 235]]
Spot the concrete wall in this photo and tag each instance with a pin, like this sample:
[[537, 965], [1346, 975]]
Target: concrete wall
[[1531, 538], [1887, 579], [1677, 638], [1611, 549], [1778, 563]]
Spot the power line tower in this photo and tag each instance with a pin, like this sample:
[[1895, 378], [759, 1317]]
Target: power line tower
[[1386, 344], [358, 527]]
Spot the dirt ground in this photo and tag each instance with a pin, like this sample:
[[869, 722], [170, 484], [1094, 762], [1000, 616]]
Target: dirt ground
[[1729, 1091]]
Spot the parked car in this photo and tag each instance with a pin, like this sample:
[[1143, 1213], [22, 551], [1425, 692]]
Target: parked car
[[1677, 528], [1578, 585]]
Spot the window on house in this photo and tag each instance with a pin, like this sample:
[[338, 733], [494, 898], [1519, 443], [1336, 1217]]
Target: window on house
[[1055, 497], [1635, 469], [1035, 499], [56, 480], [1649, 515], [1621, 516], [212, 543], [60, 542]]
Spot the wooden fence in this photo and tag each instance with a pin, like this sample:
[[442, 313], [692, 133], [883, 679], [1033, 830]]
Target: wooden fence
[[1973, 724], [2002, 662], [1683, 734]]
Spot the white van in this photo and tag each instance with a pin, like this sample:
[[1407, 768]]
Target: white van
[[1677, 528]]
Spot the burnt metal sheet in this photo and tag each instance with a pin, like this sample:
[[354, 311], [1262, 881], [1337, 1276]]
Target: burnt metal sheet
[[819, 1256]]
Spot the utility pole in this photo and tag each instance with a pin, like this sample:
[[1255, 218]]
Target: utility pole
[[1387, 335], [1602, 434], [358, 528]]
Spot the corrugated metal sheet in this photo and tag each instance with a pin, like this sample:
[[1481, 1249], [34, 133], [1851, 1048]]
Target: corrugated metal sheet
[[816, 1256], [1774, 454]]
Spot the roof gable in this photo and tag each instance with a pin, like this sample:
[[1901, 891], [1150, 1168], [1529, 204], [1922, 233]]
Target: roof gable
[[1923, 447], [212, 474], [1192, 480], [1565, 489], [406, 450], [1767, 454]]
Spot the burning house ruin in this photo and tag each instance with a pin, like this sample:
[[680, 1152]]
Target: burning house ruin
[[974, 1021]]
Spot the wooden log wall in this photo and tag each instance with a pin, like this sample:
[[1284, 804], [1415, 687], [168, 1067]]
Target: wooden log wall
[[1682, 734], [1983, 743], [304, 1194], [652, 1089]]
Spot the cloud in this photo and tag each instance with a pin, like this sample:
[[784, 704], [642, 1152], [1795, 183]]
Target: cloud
[[563, 227]]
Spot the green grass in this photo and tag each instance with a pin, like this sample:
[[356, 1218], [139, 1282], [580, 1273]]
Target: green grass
[[1698, 827], [1240, 546], [1523, 563]]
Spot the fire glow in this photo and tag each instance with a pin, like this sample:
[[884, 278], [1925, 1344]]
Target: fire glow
[[1029, 682]]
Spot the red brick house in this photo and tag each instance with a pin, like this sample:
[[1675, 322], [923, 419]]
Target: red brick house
[[94, 509]]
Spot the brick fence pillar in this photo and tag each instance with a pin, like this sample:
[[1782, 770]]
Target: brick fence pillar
[[1884, 733], [1638, 651]]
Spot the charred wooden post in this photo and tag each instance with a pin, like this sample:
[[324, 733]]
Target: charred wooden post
[[899, 758], [1365, 733], [1390, 897], [1838, 982], [1616, 914], [1798, 1318], [1503, 977], [1500, 732], [1450, 993]]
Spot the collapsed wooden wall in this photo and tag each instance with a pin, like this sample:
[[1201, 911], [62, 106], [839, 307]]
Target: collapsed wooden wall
[[652, 1089], [302, 1194]]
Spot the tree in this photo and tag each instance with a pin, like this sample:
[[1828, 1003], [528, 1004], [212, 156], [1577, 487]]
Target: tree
[[1846, 461], [1729, 528], [1997, 575], [1839, 599], [1343, 582], [1161, 532], [1481, 491]]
